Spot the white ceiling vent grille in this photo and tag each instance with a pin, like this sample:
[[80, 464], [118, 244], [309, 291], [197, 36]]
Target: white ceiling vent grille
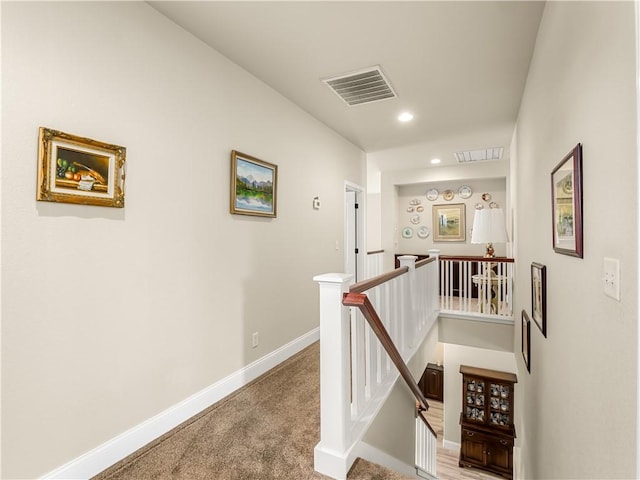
[[364, 86], [485, 154]]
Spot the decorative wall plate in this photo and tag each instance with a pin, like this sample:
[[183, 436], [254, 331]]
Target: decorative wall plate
[[493, 205], [415, 219], [410, 209], [448, 195], [407, 232], [415, 201], [465, 191], [432, 194], [420, 209], [486, 197], [423, 232], [479, 206]]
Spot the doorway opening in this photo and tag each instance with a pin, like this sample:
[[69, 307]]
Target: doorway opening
[[354, 241]]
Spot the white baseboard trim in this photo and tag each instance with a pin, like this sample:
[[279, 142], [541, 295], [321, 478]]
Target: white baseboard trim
[[449, 445], [114, 450], [331, 463]]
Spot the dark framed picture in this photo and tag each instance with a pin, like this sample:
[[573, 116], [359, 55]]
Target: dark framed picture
[[526, 340], [254, 186], [74, 169], [566, 201], [539, 296]]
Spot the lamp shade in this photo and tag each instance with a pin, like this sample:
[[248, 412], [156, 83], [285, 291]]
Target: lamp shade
[[489, 226]]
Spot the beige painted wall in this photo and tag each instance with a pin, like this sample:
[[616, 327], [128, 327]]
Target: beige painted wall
[[373, 222], [496, 187], [579, 402], [392, 182], [110, 316], [476, 333]]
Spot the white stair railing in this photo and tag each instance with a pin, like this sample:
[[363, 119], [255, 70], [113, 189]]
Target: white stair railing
[[356, 373], [426, 449], [477, 287], [375, 260]]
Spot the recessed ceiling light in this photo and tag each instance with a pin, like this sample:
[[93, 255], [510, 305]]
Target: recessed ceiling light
[[435, 160], [405, 117]]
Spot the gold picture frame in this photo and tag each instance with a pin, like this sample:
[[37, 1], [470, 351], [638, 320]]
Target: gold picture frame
[[254, 186], [449, 223], [73, 169]]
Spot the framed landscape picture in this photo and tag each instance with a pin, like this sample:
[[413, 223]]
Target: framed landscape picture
[[74, 169], [254, 186], [449, 223], [566, 201], [539, 296]]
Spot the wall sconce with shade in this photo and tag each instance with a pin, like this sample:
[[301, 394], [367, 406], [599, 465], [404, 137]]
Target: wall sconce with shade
[[489, 228]]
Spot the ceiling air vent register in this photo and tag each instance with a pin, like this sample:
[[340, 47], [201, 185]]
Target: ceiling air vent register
[[483, 155], [364, 86]]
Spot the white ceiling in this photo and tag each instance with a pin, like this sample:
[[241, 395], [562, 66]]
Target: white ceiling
[[459, 67]]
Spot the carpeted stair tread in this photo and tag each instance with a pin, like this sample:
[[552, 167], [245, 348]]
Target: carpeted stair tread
[[365, 470]]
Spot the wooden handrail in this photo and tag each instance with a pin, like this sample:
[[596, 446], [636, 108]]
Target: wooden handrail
[[420, 413], [425, 261], [361, 301], [477, 259], [379, 280], [385, 277], [373, 252]]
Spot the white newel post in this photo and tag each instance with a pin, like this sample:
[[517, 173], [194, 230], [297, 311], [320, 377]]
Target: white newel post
[[331, 454]]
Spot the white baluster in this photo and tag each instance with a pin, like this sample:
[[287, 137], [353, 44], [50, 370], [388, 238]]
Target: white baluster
[[409, 294]]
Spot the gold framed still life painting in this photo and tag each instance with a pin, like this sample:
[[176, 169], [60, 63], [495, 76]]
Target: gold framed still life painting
[[73, 169]]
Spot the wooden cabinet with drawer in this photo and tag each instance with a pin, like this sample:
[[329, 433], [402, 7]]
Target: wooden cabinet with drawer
[[486, 420]]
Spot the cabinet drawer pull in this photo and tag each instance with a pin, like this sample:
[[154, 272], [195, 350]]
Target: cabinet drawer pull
[[503, 442], [470, 434]]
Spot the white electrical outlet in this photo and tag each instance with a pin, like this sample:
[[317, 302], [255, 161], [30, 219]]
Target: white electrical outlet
[[254, 340], [611, 278]]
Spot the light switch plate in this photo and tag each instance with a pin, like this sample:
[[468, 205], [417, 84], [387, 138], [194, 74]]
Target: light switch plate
[[612, 278]]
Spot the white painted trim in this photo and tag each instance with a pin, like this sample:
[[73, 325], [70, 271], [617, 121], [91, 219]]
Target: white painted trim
[[449, 445], [114, 450], [375, 455]]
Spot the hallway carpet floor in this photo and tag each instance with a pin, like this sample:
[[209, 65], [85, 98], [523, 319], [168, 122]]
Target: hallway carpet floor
[[266, 430]]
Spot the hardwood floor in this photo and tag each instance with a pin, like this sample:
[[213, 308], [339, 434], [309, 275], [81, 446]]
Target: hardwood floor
[[447, 459]]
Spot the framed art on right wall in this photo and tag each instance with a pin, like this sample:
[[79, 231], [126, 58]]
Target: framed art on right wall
[[539, 296], [566, 201], [526, 340]]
